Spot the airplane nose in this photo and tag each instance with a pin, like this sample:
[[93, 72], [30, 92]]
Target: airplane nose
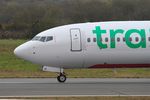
[[15, 51], [19, 51], [25, 51], [22, 51]]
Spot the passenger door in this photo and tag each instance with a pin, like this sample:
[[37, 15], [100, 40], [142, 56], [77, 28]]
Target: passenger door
[[76, 44], [76, 53]]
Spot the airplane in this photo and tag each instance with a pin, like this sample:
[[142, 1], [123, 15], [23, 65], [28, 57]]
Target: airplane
[[110, 44]]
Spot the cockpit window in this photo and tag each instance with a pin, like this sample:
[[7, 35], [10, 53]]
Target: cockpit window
[[49, 38], [36, 38], [43, 39]]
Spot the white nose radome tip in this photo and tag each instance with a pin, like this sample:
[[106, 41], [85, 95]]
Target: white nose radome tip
[[17, 51], [20, 51]]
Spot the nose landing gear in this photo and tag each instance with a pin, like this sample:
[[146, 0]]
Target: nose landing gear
[[61, 78]]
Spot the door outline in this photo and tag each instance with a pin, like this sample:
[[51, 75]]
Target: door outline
[[79, 40]]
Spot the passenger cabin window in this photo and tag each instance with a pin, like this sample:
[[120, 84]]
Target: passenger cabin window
[[112, 39], [136, 39], [148, 38], [106, 39], [94, 39], [130, 39], [124, 39], [88, 40], [118, 39]]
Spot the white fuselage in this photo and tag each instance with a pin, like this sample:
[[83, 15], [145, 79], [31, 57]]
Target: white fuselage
[[97, 45]]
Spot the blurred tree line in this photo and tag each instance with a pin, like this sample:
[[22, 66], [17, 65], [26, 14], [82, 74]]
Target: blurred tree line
[[25, 18]]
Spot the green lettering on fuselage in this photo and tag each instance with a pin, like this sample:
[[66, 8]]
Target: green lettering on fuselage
[[99, 33], [127, 34], [141, 33], [112, 36]]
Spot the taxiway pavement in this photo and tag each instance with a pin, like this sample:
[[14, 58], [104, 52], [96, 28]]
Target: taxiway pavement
[[73, 86]]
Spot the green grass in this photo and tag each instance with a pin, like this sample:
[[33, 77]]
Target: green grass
[[11, 66], [9, 62]]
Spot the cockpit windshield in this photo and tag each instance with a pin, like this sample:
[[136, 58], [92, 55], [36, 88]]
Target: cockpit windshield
[[36, 38], [49, 38], [43, 38]]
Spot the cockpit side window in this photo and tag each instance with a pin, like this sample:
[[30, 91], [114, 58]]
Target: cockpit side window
[[49, 38], [42, 39], [36, 38]]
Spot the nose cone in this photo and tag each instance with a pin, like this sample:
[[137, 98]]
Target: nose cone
[[20, 52], [23, 51]]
